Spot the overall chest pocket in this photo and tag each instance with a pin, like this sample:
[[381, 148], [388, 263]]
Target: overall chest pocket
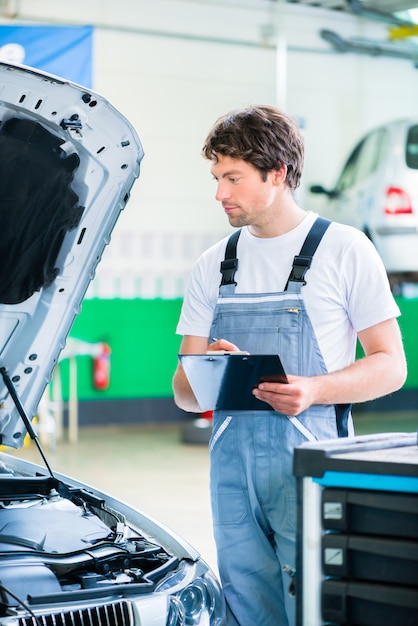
[[267, 331]]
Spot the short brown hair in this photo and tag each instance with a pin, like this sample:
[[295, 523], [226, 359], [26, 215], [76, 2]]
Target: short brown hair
[[261, 135]]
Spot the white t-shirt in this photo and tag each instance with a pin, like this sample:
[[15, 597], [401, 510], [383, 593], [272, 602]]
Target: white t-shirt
[[347, 287]]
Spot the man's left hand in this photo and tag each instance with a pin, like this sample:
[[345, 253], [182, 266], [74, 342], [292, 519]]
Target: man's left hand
[[289, 398]]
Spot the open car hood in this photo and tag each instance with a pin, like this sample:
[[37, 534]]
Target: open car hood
[[68, 160]]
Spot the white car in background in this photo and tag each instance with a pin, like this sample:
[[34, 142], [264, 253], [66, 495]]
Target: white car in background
[[70, 555], [377, 192]]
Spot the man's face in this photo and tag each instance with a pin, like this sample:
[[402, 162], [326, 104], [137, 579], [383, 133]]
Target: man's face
[[245, 197]]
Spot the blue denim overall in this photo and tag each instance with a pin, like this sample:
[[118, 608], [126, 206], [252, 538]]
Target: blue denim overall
[[253, 490]]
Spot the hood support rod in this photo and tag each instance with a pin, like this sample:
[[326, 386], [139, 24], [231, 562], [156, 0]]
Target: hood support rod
[[31, 431]]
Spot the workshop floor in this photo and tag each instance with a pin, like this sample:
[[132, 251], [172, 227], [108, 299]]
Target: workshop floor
[[150, 467]]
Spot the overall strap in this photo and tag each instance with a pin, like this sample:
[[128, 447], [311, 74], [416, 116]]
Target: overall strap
[[302, 262], [230, 264]]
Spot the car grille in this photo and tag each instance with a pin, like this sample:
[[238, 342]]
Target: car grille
[[116, 614]]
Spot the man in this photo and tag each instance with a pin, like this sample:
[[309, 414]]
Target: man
[[309, 305]]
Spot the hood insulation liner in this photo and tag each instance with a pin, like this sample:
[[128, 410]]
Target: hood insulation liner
[[37, 207]]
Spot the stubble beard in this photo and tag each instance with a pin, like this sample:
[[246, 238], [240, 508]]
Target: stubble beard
[[239, 220]]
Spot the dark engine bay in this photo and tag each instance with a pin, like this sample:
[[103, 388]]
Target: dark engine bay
[[56, 539]]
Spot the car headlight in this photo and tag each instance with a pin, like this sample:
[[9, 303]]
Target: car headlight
[[176, 615], [195, 598]]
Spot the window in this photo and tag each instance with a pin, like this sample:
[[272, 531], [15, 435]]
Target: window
[[364, 159], [412, 148]]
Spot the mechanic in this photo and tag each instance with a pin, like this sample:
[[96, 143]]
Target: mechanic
[[261, 296]]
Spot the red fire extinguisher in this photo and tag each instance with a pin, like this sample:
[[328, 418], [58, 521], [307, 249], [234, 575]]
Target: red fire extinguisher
[[101, 368]]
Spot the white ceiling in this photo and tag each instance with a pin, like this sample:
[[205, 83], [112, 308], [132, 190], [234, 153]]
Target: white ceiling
[[385, 10], [394, 13]]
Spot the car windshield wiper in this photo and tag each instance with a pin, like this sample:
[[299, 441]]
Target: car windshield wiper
[[31, 431]]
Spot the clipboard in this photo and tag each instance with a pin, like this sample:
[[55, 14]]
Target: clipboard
[[225, 382]]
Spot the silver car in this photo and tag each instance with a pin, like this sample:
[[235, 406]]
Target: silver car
[[70, 554], [377, 192]]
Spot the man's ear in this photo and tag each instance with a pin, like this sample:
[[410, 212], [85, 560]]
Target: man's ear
[[279, 175]]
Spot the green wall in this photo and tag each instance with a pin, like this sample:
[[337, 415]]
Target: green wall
[[141, 334], [144, 346], [409, 328]]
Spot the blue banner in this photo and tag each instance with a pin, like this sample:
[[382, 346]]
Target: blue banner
[[65, 51]]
